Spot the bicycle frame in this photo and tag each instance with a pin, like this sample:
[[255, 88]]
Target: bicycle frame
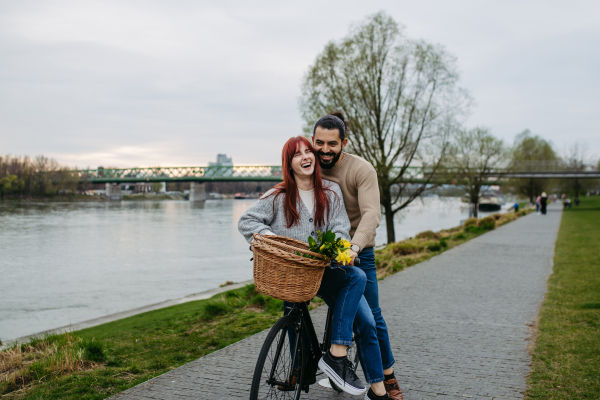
[[305, 327]]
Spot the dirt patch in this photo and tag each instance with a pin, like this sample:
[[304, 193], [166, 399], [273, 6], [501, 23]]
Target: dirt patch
[[533, 334]]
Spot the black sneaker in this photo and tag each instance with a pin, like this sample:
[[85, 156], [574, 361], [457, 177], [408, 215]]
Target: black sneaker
[[372, 396], [341, 372]]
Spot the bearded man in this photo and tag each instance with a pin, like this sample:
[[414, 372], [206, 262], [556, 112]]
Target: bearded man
[[358, 180]]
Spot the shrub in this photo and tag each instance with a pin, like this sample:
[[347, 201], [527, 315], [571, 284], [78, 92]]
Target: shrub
[[215, 307], [496, 216], [474, 229], [427, 235], [443, 243], [470, 222], [403, 249], [434, 247], [94, 351], [397, 266], [487, 223], [452, 230], [459, 236], [259, 300]]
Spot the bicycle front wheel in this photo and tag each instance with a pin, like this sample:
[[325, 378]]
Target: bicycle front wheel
[[278, 372]]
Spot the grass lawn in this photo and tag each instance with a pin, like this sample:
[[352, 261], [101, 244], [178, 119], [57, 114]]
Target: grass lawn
[[566, 357], [98, 362]]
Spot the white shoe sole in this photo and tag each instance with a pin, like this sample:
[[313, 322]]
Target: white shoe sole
[[339, 381]]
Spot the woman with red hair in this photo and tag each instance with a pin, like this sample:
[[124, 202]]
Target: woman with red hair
[[301, 205]]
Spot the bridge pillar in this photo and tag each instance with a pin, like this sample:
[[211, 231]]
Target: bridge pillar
[[197, 192], [113, 191]]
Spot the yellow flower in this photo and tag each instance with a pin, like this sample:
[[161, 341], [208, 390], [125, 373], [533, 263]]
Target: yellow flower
[[321, 248], [346, 243], [343, 257]]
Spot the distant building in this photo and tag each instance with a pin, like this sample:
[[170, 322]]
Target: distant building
[[222, 160]]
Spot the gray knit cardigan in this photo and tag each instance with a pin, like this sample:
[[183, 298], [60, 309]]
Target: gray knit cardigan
[[264, 216]]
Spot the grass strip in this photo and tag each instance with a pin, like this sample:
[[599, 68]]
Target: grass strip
[[566, 356], [112, 357], [101, 361]]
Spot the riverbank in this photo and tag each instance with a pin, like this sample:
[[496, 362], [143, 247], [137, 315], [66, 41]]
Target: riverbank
[[566, 356], [126, 314], [84, 198], [96, 362]]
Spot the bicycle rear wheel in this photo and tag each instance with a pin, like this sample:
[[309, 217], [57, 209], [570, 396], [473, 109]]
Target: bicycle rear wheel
[[279, 369]]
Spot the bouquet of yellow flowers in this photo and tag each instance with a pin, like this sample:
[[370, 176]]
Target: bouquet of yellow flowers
[[328, 245]]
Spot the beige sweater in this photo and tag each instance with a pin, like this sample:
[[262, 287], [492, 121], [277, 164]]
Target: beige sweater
[[358, 180]]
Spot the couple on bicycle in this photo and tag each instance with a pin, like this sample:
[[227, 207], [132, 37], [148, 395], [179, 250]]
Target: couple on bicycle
[[326, 189]]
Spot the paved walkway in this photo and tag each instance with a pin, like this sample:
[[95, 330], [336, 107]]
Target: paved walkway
[[458, 324]]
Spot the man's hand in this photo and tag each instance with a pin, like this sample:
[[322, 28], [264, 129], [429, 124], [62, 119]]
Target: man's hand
[[353, 254]]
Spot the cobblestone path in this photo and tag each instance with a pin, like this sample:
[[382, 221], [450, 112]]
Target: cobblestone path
[[458, 324]]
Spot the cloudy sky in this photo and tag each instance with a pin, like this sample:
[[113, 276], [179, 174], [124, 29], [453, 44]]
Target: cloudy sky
[[142, 83]]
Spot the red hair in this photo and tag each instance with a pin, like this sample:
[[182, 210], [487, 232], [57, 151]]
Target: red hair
[[289, 188]]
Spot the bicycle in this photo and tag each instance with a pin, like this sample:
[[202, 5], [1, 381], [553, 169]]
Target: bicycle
[[287, 363]]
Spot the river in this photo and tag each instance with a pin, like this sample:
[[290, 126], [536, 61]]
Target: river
[[62, 263]]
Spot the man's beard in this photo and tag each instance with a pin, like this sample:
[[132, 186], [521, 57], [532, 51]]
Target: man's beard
[[331, 163]]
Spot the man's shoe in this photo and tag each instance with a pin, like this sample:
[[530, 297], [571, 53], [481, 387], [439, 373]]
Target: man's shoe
[[372, 396], [341, 372], [392, 387]]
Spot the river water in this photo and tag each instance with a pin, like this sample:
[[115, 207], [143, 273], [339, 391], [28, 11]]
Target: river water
[[63, 263]]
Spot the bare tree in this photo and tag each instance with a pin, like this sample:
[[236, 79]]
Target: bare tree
[[475, 154], [576, 158], [531, 153], [401, 99]]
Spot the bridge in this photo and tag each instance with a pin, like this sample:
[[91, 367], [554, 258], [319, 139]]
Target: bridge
[[272, 173]]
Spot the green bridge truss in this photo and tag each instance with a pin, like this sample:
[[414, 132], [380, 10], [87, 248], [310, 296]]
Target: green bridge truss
[[182, 174], [273, 173]]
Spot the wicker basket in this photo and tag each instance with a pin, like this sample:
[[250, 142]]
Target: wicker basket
[[279, 272]]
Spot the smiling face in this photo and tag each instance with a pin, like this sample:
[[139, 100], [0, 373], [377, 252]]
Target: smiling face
[[328, 145], [303, 162]]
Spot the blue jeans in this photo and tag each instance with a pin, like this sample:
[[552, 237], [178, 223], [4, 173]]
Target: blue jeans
[[371, 294], [342, 289]]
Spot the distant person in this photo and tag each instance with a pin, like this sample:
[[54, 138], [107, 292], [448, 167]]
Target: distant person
[[516, 207], [567, 203], [543, 203], [538, 202], [576, 201]]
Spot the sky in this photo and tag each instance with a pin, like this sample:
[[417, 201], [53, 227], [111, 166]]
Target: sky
[[148, 83]]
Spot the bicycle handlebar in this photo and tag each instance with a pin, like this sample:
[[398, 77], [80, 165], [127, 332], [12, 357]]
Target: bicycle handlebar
[[356, 260]]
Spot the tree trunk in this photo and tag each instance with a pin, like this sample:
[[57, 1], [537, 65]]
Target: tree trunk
[[385, 194], [389, 223], [531, 191], [474, 197]]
